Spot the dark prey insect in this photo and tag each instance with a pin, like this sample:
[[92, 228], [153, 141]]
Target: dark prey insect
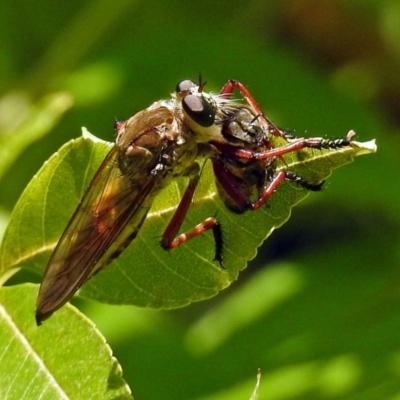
[[154, 147]]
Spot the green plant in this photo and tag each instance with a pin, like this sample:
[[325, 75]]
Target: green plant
[[318, 308]]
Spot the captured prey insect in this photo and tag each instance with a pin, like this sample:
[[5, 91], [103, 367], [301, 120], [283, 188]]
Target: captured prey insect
[[153, 148]]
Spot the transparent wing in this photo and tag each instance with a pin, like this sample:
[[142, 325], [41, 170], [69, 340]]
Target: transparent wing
[[109, 216]]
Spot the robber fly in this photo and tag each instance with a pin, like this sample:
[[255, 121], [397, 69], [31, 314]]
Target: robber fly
[[153, 148]]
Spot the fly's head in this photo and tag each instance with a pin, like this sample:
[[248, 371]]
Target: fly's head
[[215, 117], [199, 106], [201, 110]]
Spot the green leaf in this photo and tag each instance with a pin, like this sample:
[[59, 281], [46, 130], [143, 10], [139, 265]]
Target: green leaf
[[144, 274], [67, 359]]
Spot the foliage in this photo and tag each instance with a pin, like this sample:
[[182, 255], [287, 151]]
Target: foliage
[[318, 308], [80, 367]]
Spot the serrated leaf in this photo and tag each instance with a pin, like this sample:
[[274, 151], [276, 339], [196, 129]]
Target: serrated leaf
[[144, 274], [67, 359]]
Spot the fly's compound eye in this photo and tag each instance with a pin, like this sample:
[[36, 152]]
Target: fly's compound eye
[[184, 86], [199, 110]]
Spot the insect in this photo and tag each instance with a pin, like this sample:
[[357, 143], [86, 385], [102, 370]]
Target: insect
[[153, 148]]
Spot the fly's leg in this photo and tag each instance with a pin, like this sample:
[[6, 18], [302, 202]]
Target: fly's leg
[[231, 185], [299, 144], [232, 85], [276, 181], [170, 238], [314, 187], [270, 127]]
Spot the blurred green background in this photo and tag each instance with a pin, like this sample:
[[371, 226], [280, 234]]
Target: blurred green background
[[319, 309]]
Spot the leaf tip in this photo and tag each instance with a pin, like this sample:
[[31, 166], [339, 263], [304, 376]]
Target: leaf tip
[[89, 136], [363, 147]]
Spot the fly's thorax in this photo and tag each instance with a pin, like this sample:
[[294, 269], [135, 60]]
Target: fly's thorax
[[156, 142], [147, 128], [144, 140]]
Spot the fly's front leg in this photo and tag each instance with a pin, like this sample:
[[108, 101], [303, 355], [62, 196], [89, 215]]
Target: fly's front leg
[[170, 238], [232, 85], [298, 144]]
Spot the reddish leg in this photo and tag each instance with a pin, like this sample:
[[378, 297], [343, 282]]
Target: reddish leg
[[299, 144], [231, 185], [170, 240], [228, 89], [279, 178], [232, 85]]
